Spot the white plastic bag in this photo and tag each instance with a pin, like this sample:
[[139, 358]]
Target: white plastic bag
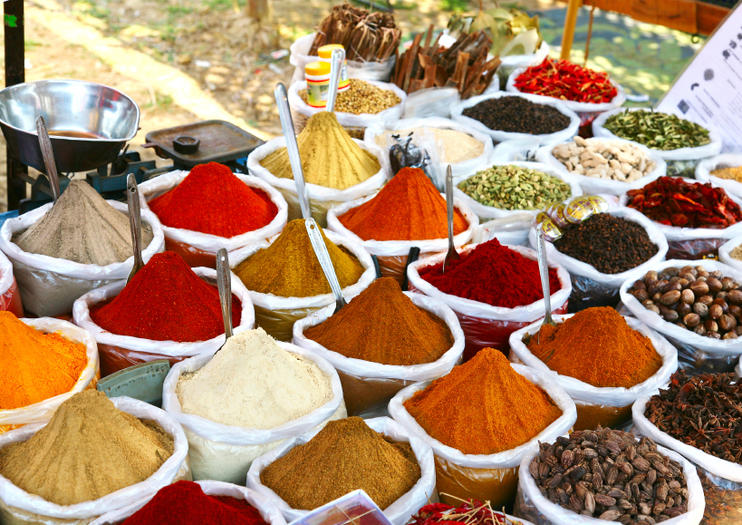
[[594, 185], [716, 466], [321, 198], [682, 161], [485, 325], [485, 212], [10, 297], [432, 102], [350, 120], [485, 476], [392, 255], [694, 243], [591, 287], [367, 384], [532, 504], [587, 111], [210, 488], [199, 249], [725, 253], [398, 512], [428, 142], [702, 352], [42, 411], [457, 113], [725, 160], [277, 315], [508, 230], [18, 506], [613, 402], [121, 351], [50, 285], [225, 452], [300, 57], [510, 62], [515, 150]]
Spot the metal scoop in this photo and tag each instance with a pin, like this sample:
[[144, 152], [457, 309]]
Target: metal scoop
[[47, 152], [315, 237], [543, 270], [338, 55], [452, 254], [224, 284], [287, 126], [135, 222]]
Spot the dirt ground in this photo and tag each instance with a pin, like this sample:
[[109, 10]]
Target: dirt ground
[[232, 60]]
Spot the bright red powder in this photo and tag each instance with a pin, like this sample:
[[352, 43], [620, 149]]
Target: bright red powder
[[211, 199], [184, 503], [166, 301], [492, 274]]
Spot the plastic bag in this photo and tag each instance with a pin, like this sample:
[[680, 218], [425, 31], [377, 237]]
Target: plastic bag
[[121, 351], [484, 477], [510, 62], [594, 185], [277, 315], [428, 142], [398, 512], [431, 102], [10, 297], [199, 249], [20, 507], [300, 57], [515, 150], [42, 411], [725, 253], [602, 400], [587, 111], [368, 385], [591, 287], [726, 160], [533, 505], [225, 452], [682, 161], [457, 113], [485, 212], [508, 230], [392, 255], [695, 243], [321, 198], [210, 488], [703, 353], [349, 120], [50, 285], [485, 325]]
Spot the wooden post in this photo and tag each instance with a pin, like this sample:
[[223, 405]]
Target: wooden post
[[570, 22], [14, 74]]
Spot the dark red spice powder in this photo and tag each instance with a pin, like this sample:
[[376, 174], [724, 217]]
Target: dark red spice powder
[[211, 199], [166, 301], [184, 503], [494, 274]]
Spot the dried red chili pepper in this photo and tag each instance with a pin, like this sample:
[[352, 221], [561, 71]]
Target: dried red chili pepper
[[675, 202], [470, 512], [567, 81]]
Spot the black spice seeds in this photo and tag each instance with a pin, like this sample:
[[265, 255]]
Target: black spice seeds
[[609, 475], [610, 244], [704, 412], [516, 114]]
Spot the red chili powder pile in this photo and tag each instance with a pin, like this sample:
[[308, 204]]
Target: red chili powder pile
[[408, 208], [211, 199], [166, 301], [184, 503], [494, 274]]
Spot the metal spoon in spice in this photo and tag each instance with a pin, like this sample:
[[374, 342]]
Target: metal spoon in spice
[[543, 270], [323, 256], [135, 222], [47, 153], [338, 55], [224, 285], [452, 254], [287, 126]]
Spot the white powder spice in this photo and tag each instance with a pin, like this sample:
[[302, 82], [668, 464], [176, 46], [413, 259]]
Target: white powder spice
[[252, 382]]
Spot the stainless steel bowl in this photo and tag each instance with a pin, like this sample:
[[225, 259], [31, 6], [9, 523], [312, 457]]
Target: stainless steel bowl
[[88, 123]]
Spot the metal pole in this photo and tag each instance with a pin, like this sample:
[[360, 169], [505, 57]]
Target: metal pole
[[573, 9], [14, 74]]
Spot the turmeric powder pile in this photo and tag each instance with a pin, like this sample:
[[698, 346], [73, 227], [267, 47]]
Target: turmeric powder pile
[[329, 156], [35, 366]]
